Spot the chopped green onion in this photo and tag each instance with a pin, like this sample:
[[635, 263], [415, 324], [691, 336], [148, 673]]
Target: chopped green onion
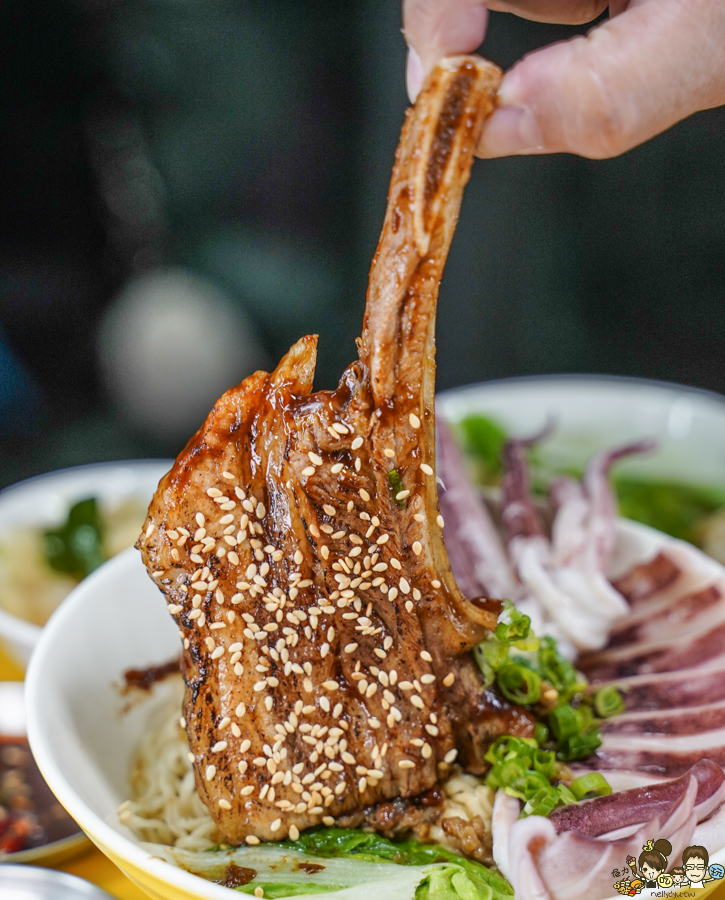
[[541, 733], [579, 746], [396, 485], [542, 802], [564, 721], [608, 702], [516, 628], [592, 783], [518, 683], [559, 672], [565, 795], [545, 763], [508, 748]]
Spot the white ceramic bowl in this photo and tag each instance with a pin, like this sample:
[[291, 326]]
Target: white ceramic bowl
[[595, 412], [44, 501], [116, 619], [80, 735]]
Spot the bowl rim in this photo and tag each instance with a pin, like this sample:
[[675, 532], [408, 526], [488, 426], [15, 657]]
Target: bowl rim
[[586, 378], [98, 830]]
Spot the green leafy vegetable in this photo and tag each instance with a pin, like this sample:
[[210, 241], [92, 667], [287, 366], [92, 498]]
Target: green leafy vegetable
[[76, 547], [672, 507], [396, 486], [483, 439], [327, 860]]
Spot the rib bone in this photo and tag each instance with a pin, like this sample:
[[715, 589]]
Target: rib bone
[[325, 637]]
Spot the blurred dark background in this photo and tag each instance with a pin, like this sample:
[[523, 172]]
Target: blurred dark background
[[189, 187]]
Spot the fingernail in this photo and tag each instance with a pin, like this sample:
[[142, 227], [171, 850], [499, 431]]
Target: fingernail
[[511, 130], [413, 74]]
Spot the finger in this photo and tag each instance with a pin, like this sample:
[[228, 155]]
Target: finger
[[627, 80], [561, 12], [437, 28]]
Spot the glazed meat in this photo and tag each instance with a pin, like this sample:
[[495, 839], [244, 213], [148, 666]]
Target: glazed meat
[[298, 542]]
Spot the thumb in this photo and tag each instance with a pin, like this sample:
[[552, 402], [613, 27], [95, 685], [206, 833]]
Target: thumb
[[626, 81]]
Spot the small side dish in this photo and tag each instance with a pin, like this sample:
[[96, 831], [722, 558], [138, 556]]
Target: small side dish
[[30, 816], [57, 528], [40, 566]]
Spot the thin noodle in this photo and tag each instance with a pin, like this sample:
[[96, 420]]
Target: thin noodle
[[166, 808]]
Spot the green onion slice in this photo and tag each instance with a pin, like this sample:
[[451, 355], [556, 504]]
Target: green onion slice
[[608, 702], [518, 683], [592, 783]]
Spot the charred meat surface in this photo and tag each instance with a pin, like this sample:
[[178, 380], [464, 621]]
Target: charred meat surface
[[298, 542]]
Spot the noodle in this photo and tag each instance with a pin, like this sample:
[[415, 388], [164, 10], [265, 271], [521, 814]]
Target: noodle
[[166, 809]]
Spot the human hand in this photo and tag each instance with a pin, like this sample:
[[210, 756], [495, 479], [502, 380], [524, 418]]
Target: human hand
[[653, 63]]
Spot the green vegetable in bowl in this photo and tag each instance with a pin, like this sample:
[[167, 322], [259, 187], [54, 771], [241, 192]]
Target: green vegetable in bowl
[[76, 547], [678, 509], [530, 671], [483, 440], [327, 860]]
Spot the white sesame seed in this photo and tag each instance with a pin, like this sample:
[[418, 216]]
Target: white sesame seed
[[357, 443], [298, 557], [417, 548], [440, 521], [351, 648], [214, 492], [406, 764], [219, 747], [225, 804], [309, 470], [428, 678], [450, 756], [150, 530], [336, 469], [417, 702], [227, 475], [294, 832], [330, 510], [389, 453], [383, 539], [314, 459], [253, 840], [324, 551], [414, 420], [330, 685], [426, 469], [401, 495], [449, 679], [426, 656], [210, 772], [275, 825], [200, 520]]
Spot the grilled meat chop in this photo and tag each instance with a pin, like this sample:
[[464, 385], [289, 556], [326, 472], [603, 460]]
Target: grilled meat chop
[[325, 640]]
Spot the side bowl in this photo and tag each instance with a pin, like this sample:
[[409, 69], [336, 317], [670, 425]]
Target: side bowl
[[44, 500]]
